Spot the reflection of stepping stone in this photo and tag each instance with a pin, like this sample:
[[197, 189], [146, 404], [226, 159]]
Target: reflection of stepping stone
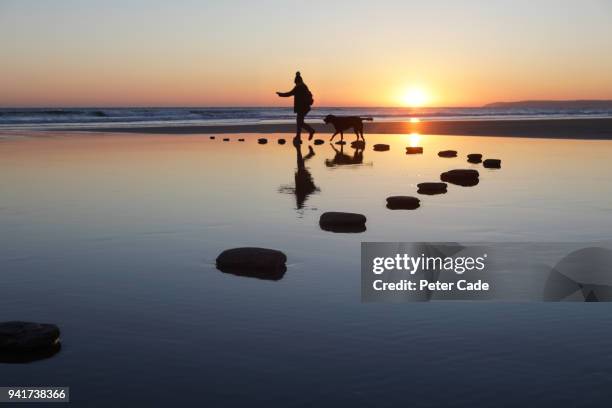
[[403, 203], [342, 222], [22, 342], [281, 141], [358, 144], [431, 188], [253, 262], [262, 140], [474, 158], [461, 177], [319, 141], [448, 153], [381, 147], [492, 164], [414, 150]]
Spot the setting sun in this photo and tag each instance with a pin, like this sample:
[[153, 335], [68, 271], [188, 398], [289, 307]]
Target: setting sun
[[415, 97]]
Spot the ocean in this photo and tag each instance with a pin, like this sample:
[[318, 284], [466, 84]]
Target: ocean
[[11, 118]]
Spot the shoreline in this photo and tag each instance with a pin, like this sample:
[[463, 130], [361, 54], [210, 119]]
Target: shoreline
[[596, 129]]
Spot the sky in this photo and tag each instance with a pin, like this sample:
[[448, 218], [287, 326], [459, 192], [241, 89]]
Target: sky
[[350, 53]]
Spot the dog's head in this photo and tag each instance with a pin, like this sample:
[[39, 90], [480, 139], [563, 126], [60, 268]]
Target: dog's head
[[329, 119]]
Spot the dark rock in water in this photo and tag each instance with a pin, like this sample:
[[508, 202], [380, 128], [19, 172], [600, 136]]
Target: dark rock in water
[[447, 153], [281, 141], [341, 142], [431, 188], [253, 262], [319, 141], [461, 177], [262, 141], [212, 137], [492, 163], [414, 150], [226, 139], [474, 158], [342, 222], [381, 147], [22, 342], [403, 203], [358, 144], [241, 140]]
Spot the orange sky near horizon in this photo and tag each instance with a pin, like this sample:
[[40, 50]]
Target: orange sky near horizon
[[239, 53]]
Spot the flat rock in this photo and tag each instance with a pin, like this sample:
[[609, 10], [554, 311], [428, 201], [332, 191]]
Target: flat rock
[[431, 188], [19, 336], [319, 141], [461, 177], [358, 144], [381, 147], [342, 222], [447, 153], [226, 139], [341, 142], [492, 164], [211, 137], [403, 203], [281, 141], [262, 263], [414, 150], [474, 157], [262, 140], [241, 140]]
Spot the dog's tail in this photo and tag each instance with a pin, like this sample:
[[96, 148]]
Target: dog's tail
[[368, 118]]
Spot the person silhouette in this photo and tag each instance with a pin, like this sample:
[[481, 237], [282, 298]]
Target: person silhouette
[[302, 101]]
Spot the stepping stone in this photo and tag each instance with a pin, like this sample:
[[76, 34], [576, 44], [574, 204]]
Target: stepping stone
[[492, 164], [262, 140], [431, 188], [341, 142], [448, 153], [342, 222], [226, 140], [358, 144], [414, 150], [474, 158], [319, 141], [241, 140], [24, 342], [281, 141], [403, 203], [212, 137], [461, 177], [381, 147], [253, 262]]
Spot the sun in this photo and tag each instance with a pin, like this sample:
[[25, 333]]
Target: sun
[[415, 97]]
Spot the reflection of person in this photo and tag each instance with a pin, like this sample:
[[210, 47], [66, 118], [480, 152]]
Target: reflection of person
[[302, 101], [304, 184]]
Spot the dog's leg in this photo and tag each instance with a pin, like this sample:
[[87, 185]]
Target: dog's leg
[[341, 136], [357, 133], [334, 135]]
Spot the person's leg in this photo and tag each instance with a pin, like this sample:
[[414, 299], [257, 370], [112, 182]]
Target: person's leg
[[299, 123], [307, 127]]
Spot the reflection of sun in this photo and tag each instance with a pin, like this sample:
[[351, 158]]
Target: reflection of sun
[[414, 97], [415, 138], [415, 120]]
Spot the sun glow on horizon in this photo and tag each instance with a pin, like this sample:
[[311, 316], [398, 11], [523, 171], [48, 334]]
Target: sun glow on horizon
[[415, 97]]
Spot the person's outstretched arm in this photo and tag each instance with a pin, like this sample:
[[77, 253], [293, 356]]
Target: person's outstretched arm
[[286, 94]]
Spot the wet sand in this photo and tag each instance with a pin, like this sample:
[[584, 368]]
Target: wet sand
[[596, 129]]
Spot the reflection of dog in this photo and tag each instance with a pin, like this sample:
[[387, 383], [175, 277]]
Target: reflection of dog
[[342, 123]]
